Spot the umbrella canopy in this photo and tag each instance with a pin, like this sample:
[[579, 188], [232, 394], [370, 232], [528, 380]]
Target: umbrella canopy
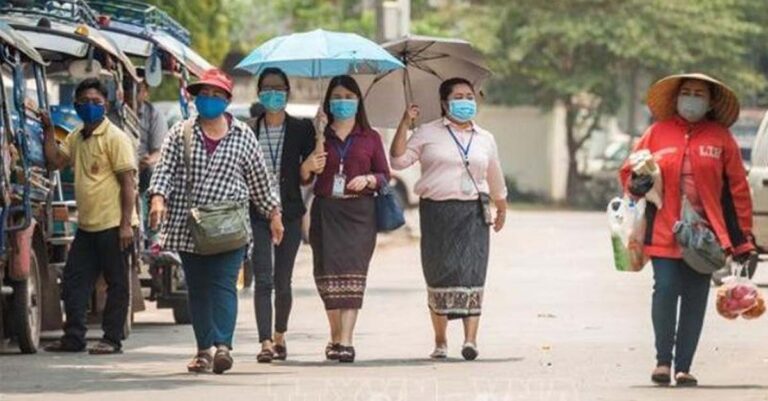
[[428, 62], [320, 54]]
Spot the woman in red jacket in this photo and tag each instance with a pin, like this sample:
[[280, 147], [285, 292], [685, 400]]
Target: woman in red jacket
[[699, 159]]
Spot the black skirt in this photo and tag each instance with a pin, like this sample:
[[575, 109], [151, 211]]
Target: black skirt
[[343, 236], [454, 256]]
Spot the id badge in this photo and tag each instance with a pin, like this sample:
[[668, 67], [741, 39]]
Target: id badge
[[339, 185], [467, 187]]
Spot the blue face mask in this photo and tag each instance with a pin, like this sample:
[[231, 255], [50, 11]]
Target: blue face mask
[[343, 109], [210, 107], [90, 113], [462, 110], [273, 101]]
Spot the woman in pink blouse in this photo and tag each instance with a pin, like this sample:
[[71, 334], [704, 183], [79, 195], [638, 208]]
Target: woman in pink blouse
[[460, 177], [343, 217]]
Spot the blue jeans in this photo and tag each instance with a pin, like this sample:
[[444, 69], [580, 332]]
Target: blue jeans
[[677, 284], [212, 293]]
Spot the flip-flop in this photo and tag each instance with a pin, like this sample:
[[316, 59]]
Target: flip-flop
[[661, 376], [201, 363], [281, 352], [683, 379], [265, 356], [105, 348], [222, 360]]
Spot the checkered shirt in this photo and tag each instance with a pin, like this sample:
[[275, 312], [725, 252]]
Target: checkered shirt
[[235, 172]]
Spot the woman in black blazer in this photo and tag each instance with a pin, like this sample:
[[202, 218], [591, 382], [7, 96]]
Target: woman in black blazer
[[288, 145]]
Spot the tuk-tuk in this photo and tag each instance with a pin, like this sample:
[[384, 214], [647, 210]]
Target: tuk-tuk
[[66, 36], [161, 44], [29, 295]]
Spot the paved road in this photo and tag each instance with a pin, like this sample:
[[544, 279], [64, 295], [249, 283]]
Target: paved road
[[559, 324]]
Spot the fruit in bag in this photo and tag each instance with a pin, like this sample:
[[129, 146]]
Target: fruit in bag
[[626, 219]]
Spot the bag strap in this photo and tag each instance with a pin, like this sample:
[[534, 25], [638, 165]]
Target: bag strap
[[187, 132], [466, 163]]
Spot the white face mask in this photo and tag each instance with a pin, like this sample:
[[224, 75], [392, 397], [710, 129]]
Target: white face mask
[[692, 108]]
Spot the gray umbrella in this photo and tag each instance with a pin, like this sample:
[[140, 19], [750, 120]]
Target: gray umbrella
[[429, 61]]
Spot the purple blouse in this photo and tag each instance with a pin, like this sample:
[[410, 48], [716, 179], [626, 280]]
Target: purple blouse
[[365, 155]]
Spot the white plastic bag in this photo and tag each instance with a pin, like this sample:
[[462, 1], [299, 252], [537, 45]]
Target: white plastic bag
[[643, 163], [626, 218]]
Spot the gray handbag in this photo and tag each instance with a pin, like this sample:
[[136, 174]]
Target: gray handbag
[[701, 249], [218, 227]]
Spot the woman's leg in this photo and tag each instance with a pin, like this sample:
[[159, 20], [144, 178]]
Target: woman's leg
[[224, 294], [471, 325], [440, 325], [261, 261], [199, 301], [348, 321], [285, 258], [334, 321], [693, 307], [666, 291]]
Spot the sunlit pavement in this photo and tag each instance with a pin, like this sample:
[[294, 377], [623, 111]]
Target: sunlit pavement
[[558, 324]]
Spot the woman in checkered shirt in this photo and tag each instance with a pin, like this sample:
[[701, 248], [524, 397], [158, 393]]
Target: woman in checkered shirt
[[226, 165]]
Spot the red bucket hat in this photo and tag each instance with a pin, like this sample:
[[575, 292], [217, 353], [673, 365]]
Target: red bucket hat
[[213, 77]]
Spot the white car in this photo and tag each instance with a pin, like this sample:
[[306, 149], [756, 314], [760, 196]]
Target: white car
[[758, 182]]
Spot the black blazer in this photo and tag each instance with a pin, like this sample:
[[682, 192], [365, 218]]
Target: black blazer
[[299, 142]]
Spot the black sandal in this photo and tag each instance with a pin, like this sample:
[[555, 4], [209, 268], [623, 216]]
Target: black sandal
[[63, 346], [201, 363], [265, 356], [347, 354], [281, 352], [684, 379], [104, 347], [661, 376], [332, 351], [222, 360]]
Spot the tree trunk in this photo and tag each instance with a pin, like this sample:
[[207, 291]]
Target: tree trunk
[[573, 180]]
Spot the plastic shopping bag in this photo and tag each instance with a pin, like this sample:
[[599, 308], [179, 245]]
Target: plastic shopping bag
[[626, 218], [739, 296], [643, 163]]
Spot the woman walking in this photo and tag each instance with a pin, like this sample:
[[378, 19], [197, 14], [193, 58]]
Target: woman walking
[[343, 221], [225, 167], [699, 161], [290, 143], [460, 170]]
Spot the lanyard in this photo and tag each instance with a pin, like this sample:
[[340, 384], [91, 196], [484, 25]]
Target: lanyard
[[279, 145], [343, 151], [462, 150]]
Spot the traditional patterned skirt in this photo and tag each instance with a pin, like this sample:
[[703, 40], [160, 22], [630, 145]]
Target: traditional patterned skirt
[[454, 256], [342, 233]]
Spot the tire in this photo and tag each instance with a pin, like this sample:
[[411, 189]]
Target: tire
[[26, 313], [181, 313]]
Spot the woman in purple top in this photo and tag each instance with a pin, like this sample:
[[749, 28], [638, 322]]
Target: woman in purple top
[[343, 218]]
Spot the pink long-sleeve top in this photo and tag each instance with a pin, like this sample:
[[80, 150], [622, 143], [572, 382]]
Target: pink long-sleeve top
[[442, 165]]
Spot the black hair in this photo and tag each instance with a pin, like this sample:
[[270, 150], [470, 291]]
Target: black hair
[[91, 83], [446, 88], [273, 71], [349, 83]]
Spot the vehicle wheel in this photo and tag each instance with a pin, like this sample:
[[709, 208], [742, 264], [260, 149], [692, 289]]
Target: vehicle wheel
[[26, 309], [181, 313]]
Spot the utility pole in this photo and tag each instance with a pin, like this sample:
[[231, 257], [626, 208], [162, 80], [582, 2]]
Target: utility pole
[[379, 9]]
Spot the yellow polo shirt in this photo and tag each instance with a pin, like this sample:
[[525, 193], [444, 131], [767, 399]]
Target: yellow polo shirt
[[96, 161]]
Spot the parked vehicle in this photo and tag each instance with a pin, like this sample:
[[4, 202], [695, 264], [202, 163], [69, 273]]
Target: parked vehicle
[[29, 294], [66, 36], [758, 181], [745, 131]]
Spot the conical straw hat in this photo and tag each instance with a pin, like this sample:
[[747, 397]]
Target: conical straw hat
[[662, 98]]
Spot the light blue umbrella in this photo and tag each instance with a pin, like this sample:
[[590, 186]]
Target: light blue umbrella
[[320, 54]]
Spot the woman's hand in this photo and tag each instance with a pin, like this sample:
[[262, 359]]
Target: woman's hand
[[315, 163], [411, 114], [157, 212], [361, 182], [321, 121], [276, 227], [501, 215]]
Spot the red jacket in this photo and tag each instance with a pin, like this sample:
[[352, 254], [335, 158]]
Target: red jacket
[[720, 178]]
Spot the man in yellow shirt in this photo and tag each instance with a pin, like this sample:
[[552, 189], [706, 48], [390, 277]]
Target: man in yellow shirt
[[104, 162]]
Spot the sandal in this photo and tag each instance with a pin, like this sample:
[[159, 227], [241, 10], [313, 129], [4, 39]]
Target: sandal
[[201, 363], [661, 376], [104, 347], [63, 346], [222, 360], [281, 352], [265, 356], [346, 354], [685, 379], [469, 351], [332, 351]]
